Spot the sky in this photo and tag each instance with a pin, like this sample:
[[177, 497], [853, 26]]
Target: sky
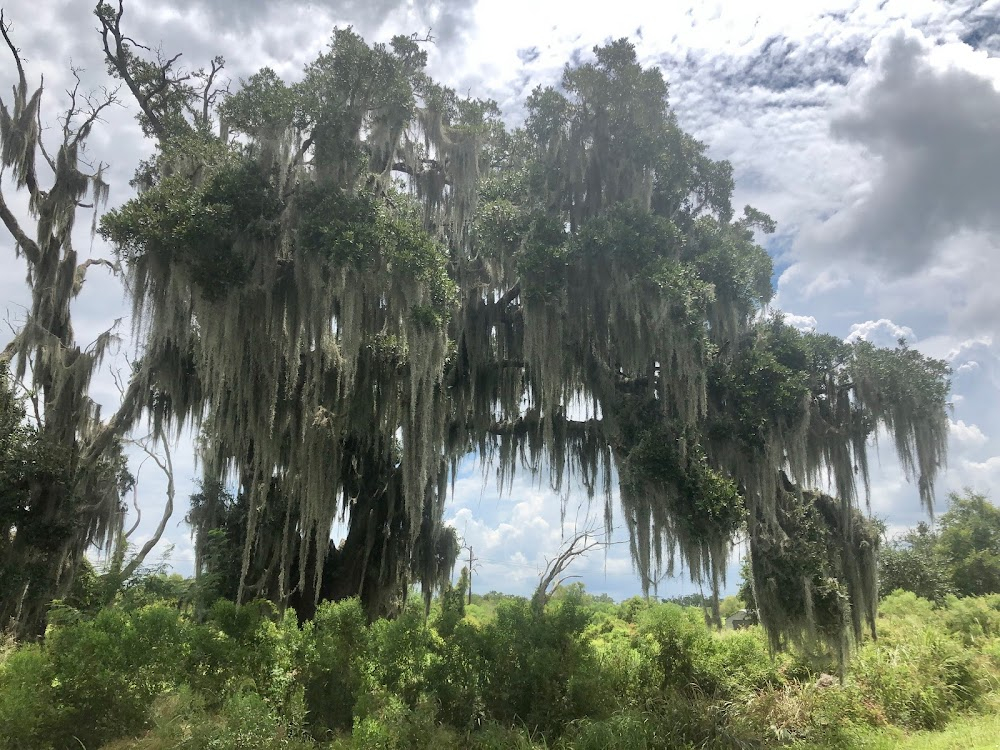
[[869, 130]]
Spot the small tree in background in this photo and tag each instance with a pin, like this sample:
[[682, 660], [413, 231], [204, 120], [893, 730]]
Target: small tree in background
[[959, 555]]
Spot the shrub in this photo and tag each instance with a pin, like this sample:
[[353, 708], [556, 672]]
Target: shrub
[[919, 681], [974, 619], [685, 649], [336, 647], [28, 709], [241, 648], [107, 671]]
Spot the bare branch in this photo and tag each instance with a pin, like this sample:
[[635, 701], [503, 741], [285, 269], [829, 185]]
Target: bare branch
[[41, 144], [580, 544], [117, 425], [29, 178], [118, 53], [81, 271], [208, 95], [166, 465], [5, 28]]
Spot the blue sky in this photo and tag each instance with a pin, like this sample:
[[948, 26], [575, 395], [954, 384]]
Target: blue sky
[[868, 130]]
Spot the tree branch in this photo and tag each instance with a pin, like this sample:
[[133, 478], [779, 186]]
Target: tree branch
[[111, 35], [167, 467], [24, 242], [581, 543], [81, 272], [512, 294], [119, 423], [21, 95], [5, 30]]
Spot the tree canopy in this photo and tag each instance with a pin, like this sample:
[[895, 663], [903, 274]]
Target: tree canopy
[[960, 554], [349, 283]]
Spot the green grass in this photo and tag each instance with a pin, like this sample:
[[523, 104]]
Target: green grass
[[969, 732], [965, 733]]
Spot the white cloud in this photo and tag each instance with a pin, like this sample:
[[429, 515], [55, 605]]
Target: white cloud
[[882, 332], [801, 322], [968, 434], [929, 112]]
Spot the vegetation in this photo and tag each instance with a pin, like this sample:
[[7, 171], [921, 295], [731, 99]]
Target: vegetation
[[349, 283], [584, 672], [960, 555]]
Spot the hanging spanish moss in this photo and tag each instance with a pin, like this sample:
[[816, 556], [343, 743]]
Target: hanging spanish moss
[[365, 277], [70, 487]]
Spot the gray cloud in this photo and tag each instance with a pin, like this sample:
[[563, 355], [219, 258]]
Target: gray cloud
[[935, 130], [448, 18]]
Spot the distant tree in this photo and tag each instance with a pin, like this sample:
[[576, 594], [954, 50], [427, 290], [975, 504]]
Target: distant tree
[[969, 543], [690, 600], [452, 605], [913, 562], [960, 555], [730, 606]]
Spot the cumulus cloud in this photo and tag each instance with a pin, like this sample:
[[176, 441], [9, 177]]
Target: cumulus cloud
[[449, 19], [930, 114], [882, 332], [801, 322], [968, 434]]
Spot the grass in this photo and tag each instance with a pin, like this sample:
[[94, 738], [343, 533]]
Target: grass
[[964, 733], [967, 732]]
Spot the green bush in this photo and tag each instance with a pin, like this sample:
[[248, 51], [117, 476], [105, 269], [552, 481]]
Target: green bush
[[973, 619], [744, 664], [533, 662], [336, 647], [246, 648], [577, 674], [686, 653], [28, 709], [921, 679], [107, 671]]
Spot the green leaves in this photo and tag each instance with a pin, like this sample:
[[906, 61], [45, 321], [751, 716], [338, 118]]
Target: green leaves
[[359, 232], [203, 223], [961, 555], [262, 108]]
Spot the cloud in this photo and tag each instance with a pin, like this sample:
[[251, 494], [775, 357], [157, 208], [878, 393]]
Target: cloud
[[801, 322], [930, 115], [448, 19], [881, 332], [986, 474], [968, 434]]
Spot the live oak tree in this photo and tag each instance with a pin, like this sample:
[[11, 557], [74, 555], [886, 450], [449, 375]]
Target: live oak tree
[[351, 282]]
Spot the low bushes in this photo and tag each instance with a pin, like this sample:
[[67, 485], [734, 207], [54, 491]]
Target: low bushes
[[580, 674]]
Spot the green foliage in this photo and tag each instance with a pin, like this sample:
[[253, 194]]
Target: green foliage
[[960, 555], [970, 543], [452, 606], [914, 563], [579, 674], [709, 505], [29, 711], [337, 647], [684, 649], [360, 232], [918, 673], [199, 222]]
